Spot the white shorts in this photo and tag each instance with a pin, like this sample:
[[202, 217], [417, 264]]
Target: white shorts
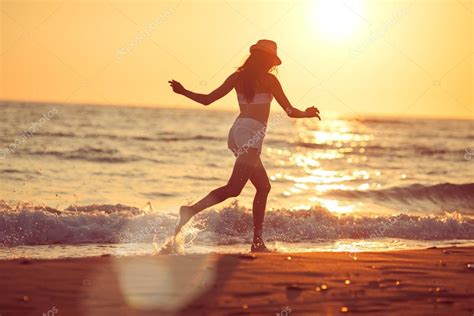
[[246, 133]]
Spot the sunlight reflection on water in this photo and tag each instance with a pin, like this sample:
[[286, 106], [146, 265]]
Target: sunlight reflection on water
[[91, 155], [320, 178]]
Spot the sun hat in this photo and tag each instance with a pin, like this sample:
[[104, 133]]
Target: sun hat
[[267, 46]]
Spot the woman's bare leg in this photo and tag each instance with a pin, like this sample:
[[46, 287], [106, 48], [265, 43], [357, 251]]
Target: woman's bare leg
[[243, 168], [260, 180]]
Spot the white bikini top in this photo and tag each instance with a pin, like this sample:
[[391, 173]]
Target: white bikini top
[[258, 98]]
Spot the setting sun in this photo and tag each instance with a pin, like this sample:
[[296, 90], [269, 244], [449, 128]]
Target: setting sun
[[336, 19]]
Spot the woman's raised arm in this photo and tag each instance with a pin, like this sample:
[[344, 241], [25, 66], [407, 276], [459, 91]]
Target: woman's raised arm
[[205, 99], [281, 98]]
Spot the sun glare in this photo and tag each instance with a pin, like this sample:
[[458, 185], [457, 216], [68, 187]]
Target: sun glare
[[338, 19]]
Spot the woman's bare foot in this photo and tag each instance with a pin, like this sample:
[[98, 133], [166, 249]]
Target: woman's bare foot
[[185, 214], [259, 246]]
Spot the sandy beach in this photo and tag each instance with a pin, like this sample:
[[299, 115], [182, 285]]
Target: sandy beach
[[434, 281]]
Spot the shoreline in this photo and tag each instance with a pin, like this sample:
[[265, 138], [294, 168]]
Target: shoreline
[[417, 282], [88, 250]]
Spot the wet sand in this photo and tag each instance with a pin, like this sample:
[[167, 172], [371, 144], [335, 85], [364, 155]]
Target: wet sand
[[415, 282]]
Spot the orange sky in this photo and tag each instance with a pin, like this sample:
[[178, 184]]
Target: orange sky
[[351, 57]]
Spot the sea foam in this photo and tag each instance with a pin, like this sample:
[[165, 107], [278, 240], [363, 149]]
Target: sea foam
[[26, 224]]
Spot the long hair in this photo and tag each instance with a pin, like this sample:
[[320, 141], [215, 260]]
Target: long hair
[[256, 65]]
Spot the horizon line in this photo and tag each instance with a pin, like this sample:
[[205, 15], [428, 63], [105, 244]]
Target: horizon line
[[220, 109]]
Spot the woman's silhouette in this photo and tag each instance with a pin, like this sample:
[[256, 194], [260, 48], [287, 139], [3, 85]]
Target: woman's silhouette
[[255, 88]]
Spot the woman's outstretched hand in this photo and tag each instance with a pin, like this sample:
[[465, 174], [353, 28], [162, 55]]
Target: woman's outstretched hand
[[177, 87], [312, 112]]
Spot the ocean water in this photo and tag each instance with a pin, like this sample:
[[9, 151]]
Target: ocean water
[[90, 180]]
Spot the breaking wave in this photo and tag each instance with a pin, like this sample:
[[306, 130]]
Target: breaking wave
[[26, 224], [443, 196]]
